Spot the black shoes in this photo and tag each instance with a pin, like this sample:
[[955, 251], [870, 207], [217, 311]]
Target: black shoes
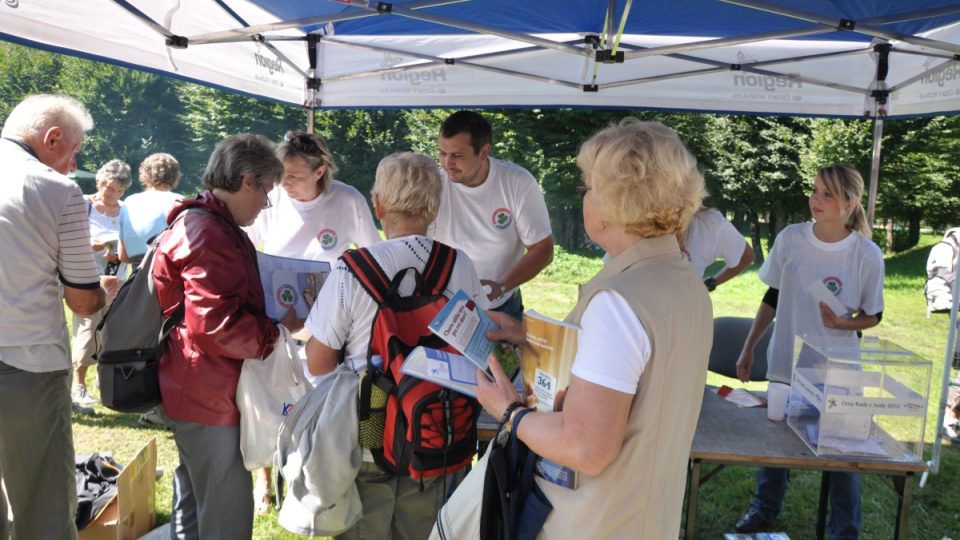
[[752, 522]]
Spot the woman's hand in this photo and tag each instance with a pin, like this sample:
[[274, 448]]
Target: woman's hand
[[309, 293], [497, 394], [745, 363], [510, 329], [291, 321], [830, 319]]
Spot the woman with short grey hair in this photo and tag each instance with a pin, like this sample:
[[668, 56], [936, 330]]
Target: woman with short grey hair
[[207, 266], [103, 211]]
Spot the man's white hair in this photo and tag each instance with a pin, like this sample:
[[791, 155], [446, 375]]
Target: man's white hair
[[37, 113]]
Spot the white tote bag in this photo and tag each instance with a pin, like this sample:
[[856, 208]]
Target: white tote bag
[[266, 393]]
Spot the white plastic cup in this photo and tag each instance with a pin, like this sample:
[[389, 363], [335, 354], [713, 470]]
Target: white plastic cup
[[777, 394]]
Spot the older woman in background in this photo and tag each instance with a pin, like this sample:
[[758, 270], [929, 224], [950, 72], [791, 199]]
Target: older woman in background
[[144, 214], [207, 266], [103, 210], [629, 415]]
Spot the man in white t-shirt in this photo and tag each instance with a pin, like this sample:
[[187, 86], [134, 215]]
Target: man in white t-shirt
[[46, 236], [492, 210], [710, 237]]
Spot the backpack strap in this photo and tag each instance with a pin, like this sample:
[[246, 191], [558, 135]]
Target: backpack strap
[[439, 268], [368, 272]]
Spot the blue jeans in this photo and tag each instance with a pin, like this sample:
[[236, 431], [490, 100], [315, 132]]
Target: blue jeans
[[844, 522], [512, 307]]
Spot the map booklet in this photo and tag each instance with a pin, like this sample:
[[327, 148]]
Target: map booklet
[[464, 326], [548, 355], [290, 283]]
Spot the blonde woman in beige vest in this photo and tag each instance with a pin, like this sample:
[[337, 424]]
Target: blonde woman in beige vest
[[647, 325]]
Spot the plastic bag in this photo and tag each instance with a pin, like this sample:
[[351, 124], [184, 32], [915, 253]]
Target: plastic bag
[[266, 394]]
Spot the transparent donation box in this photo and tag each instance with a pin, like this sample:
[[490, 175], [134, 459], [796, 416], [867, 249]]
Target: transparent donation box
[[859, 397]]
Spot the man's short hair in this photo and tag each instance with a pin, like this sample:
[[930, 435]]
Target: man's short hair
[[468, 122], [642, 177], [160, 170], [117, 171], [238, 155], [36, 114], [409, 183]]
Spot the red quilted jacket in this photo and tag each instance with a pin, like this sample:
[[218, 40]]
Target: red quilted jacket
[[208, 262]]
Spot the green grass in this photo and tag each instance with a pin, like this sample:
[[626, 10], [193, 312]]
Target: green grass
[[935, 511]]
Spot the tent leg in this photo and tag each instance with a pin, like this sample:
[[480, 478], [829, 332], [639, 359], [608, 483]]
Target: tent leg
[[934, 463], [310, 113], [874, 168]]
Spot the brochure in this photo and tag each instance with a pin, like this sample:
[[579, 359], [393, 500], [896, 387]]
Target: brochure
[[741, 397], [548, 355], [462, 325], [449, 370], [290, 283]]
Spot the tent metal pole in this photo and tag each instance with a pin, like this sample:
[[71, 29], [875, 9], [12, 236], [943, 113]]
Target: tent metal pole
[[246, 32], [861, 27], [311, 83], [934, 463], [874, 168]]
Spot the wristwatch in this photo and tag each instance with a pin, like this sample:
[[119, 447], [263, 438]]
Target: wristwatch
[[711, 283], [503, 289]]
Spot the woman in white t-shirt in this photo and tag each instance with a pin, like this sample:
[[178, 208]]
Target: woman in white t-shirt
[[837, 251], [312, 216], [103, 210]]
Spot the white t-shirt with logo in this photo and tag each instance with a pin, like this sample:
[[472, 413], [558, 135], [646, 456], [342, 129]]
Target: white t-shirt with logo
[[711, 237], [318, 230], [852, 269], [495, 220]]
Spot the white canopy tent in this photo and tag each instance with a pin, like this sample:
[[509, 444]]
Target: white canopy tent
[[842, 58]]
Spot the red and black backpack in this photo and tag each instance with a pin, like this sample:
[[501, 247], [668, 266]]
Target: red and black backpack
[[428, 430]]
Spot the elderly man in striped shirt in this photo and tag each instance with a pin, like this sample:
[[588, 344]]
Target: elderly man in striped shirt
[[45, 239]]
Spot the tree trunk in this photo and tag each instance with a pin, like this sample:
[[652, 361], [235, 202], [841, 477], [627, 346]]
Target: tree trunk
[[889, 226], [913, 228], [755, 237]]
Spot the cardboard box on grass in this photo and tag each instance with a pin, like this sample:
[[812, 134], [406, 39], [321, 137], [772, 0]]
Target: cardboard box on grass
[[132, 512], [859, 397]]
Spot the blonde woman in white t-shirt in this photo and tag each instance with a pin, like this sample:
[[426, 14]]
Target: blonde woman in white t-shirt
[[837, 250]]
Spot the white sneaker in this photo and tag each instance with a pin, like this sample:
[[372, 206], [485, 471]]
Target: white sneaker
[[81, 397], [81, 410]]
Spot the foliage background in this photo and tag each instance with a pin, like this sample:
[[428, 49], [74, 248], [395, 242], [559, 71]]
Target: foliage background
[[758, 169]]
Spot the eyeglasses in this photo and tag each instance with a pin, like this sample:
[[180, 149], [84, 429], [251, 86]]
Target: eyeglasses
[[266, 202], [582, 190], [302, 142]]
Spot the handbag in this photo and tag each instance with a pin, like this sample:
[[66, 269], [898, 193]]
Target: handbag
[[266, 394], [512, 506]]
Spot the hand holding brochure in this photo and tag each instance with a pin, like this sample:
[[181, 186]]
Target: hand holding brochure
[[464, 326]]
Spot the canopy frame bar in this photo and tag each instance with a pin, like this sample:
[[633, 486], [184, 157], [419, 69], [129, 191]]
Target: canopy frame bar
[[246, 33], [866, 27]]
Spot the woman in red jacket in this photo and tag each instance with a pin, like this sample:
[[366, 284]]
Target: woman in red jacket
[[207, 264]]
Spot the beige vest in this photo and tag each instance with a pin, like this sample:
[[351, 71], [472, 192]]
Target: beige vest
[[641, 493]]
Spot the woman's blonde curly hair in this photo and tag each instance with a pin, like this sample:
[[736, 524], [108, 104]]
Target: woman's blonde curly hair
[[642, 177]]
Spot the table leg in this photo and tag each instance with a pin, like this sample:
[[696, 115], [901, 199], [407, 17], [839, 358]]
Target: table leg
[[822, 508], [904, 487], [693, 496]]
